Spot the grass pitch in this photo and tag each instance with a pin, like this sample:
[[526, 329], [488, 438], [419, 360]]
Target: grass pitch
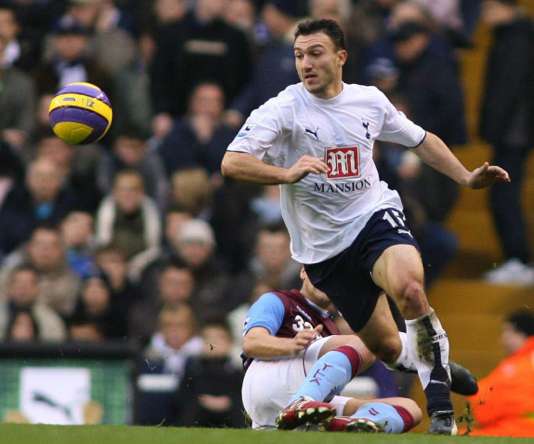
[[43, 434]]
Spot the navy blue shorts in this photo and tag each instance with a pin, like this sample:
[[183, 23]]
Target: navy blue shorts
[[346, 277]]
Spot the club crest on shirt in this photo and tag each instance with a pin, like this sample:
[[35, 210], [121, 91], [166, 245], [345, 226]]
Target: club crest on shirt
[[343, 162], [245, 129]]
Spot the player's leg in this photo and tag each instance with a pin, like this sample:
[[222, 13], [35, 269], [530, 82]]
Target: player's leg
[[399, 272], [389, 415], [330, 364]]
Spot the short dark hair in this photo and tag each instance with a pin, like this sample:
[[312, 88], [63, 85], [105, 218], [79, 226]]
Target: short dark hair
[[329, 27]]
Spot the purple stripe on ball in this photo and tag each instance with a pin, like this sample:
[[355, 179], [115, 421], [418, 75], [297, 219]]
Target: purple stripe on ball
[[80, 115], [91, 91]]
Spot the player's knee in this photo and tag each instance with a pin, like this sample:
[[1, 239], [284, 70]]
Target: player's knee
[[367, 358], [412, 297], [389, 349]]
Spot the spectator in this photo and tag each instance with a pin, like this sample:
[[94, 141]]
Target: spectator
[[19, 51], [274, 69], [70, 60], [78, 167], [112, 261], [429, 84], [131, 94], [129, 219], [22, 327], [216, 291], [42, 199], [113, 43], [131, 152], [506, 123], [272, 261], [202, 47], [504, 403], [209, 394], [242, 15], [192, 192], [95, 306], [175, 218], [17, 103], [169, 12], [175, 287], [46, 253], [200, 138], [77, 236], [22, 309], [175, 340]]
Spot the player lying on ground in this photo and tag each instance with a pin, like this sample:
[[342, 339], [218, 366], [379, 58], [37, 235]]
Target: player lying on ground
[[297, 358]]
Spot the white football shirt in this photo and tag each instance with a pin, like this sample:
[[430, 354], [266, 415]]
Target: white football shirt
[[325, 213]]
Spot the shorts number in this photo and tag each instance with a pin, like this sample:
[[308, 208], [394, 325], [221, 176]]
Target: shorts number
[[395, 218]]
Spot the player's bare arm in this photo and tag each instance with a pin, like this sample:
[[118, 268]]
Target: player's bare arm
[[245, 167], [259, 343], [435, 153]]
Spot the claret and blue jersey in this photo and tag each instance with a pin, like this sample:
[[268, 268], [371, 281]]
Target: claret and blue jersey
[[284, 313]]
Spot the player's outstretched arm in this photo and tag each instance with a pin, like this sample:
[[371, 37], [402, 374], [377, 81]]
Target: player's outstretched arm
[[259, 343], [245, 167], [434, 152]]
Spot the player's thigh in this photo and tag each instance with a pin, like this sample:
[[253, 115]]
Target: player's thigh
[[380, 334], [268, 387], [396, 267], [333, 342]]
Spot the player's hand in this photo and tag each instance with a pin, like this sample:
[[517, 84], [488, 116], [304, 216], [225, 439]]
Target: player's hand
[[304, 338], [304, 166], [487, 175]]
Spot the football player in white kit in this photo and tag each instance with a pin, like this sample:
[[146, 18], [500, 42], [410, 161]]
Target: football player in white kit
[[316, 140]]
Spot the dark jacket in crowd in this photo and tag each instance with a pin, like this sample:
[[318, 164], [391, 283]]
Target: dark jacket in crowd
[[189, 53], [508, 98], [19, 215], [182, 149], [274, 71], [209, 376], [431, 86]]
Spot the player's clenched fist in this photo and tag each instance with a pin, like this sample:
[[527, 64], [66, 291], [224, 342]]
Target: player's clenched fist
[[304, 166], [304, 338]]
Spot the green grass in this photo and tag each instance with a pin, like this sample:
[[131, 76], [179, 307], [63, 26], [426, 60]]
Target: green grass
[[42, 434]]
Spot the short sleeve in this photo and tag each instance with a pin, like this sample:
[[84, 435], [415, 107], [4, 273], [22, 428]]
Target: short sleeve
[[397, 128], [261, 131], [267, 312]]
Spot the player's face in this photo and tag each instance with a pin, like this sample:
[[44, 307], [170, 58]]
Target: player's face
[[319, 64]]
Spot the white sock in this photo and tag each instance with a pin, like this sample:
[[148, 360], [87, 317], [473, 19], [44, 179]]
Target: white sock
[[423, 334], [405, 360]]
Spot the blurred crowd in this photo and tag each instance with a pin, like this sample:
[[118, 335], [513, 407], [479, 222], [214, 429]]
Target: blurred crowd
[[139, 237]]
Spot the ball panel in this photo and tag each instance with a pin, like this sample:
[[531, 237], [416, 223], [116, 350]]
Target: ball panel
[[77, 115], [85, 88], [72, 132], [82, 101]]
